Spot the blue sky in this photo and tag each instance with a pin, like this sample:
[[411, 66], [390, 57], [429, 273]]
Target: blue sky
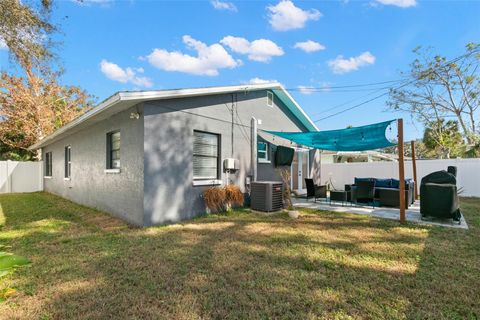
[[111, 45]]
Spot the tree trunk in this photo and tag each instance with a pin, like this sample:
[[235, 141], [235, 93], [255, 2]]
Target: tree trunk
[[466, 131]]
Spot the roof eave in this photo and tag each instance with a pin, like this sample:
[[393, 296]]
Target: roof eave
[[170, 94], [88, 115]]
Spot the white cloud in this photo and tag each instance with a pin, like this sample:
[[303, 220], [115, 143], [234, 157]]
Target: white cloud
[[309, 46], [399, 3], [341, 65], [208, 61], [261, 50], [129, 75], [306, 89], [223, 5], [257, 80], [286, 16]]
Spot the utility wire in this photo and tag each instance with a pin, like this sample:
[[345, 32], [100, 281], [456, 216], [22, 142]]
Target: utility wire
[[346, 102], [241, 125], [348, 109], [345, 86], [328, 90], [385, 93], [204, 116]]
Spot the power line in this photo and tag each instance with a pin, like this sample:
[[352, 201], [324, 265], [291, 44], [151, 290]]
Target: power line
[[328, 90], [242, 126], [346, 102], [206, 117], [344, 86], [396, 88], [348, 109]]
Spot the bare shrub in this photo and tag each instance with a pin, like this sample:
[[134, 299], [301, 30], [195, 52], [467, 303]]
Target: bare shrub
[[233, 196], [214, 199]]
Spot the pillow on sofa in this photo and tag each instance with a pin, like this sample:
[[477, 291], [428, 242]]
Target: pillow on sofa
[[383, 183], [395, 183]]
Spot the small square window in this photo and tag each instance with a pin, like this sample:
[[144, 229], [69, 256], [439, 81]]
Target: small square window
[[269, 99], [262, 152]]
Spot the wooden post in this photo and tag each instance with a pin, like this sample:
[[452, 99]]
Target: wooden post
[[401, 171], [414, 166]]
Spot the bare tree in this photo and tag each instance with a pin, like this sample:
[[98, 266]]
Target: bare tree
[[442, 89]]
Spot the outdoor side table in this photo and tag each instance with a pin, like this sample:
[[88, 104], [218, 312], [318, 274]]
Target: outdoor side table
[[339, 195]]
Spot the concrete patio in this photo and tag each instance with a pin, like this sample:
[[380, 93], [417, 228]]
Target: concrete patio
[[412, 213]]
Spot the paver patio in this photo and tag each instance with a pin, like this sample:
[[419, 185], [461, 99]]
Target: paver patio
[[412, 214]]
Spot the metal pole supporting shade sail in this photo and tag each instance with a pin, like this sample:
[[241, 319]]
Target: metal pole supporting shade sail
[[369, 137]]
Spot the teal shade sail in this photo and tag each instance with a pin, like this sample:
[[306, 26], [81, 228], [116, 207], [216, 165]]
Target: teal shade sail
[[369, 137]]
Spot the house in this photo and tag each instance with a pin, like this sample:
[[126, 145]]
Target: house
[[356, 156], [147, 156]]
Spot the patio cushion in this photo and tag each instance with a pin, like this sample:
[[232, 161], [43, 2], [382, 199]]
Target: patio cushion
[[383, 183], [395, 183]]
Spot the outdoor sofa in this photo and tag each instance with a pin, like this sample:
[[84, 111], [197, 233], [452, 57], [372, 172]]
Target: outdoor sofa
[[386, 191]]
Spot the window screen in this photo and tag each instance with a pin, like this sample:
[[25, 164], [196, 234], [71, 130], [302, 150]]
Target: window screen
[[68, 162], [205, 155], [113, 150], [48, 164], [269, 99], [262, 151]]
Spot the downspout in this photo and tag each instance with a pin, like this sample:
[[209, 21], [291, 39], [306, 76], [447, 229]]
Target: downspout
[[253, 148]]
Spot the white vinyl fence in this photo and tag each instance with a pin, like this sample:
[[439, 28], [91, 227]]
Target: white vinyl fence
[[18, 176], [468, 174]]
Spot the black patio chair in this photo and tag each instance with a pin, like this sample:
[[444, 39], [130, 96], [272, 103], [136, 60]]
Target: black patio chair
[[363, 192], [315, 191]]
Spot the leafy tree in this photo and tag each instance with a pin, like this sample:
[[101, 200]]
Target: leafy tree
[[442, 89], [421, 151], [26, 30], [28, 116], [34, 105], [444, 138]]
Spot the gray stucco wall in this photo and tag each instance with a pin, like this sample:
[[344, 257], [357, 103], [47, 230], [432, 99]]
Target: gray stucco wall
[[169, 193], [121, 193]]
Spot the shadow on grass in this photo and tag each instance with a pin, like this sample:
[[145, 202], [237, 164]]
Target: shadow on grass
[[240, 266]]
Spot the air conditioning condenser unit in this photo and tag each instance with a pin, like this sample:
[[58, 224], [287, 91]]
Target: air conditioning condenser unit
[[266, 196]]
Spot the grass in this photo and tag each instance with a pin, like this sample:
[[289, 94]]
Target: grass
[[88, 265]]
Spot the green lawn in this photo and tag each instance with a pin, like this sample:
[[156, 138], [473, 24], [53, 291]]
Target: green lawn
[[88, 265]]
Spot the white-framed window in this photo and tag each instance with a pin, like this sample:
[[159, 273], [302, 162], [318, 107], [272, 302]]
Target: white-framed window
[[263, 154], [206, 155], [113, 150], [68, 161], [48, 164], [269, 99]]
